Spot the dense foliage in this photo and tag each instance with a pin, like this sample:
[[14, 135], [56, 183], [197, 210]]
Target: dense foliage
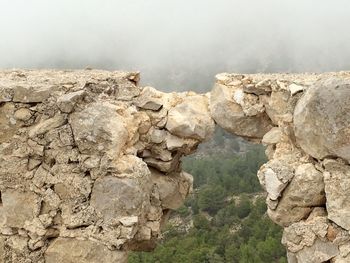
[[228, 214]]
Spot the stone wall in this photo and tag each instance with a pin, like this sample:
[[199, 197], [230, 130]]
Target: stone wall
[[304, 120], [90, 163]]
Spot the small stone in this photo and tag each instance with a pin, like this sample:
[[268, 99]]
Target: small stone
[[144, 233], [273, 136], [23, 114], [150, 99], [33, 163], [157, 136], [331, 233], [294, 88], [260, 88], [174, 142], [6, 94], [163, 166], [44, 126], [344, 250], [67, 102], [129, 220], [274, 176]]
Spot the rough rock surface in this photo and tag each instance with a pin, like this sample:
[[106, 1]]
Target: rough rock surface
[[304, 122], [324, 113], [90, 163]]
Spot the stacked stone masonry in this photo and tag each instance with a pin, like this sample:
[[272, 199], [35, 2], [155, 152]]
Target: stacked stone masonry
[[90, 162]]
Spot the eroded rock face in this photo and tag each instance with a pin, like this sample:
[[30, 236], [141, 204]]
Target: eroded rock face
[[90, 163]]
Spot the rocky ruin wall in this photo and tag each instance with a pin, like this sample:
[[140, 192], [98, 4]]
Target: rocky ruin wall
[[90, 162]]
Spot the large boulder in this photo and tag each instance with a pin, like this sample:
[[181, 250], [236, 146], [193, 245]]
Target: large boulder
[[191, 119], [229, 115], [322, 119], [99, 129]]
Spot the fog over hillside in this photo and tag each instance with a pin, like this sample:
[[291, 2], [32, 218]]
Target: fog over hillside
[[176, 44]]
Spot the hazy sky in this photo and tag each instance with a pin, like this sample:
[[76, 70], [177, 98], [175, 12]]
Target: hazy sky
[[176, 44]]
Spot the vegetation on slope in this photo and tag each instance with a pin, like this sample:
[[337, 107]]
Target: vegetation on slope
[[226, 214]]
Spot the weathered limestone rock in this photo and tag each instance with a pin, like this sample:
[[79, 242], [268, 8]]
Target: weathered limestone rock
[[81, 251], [6, 94], [228, 113], [305, 191], [67, 102], [273, 136], [150, 99], [75, 155], [114, 197], [32, 94], [191, 119], [90, 163], [308, 242], [173, 189], [337, 187], [99, 128], [318, 252], [310, 115], [275, 176], [17, 208], [322, 119], [46, 125], [23, 114]]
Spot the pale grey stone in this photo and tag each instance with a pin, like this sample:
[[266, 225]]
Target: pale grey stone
[[229, 115], [17, 208], [114, 197], [191, 119], [99, 128], [337, 188], [322, 119], [67, 102]]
